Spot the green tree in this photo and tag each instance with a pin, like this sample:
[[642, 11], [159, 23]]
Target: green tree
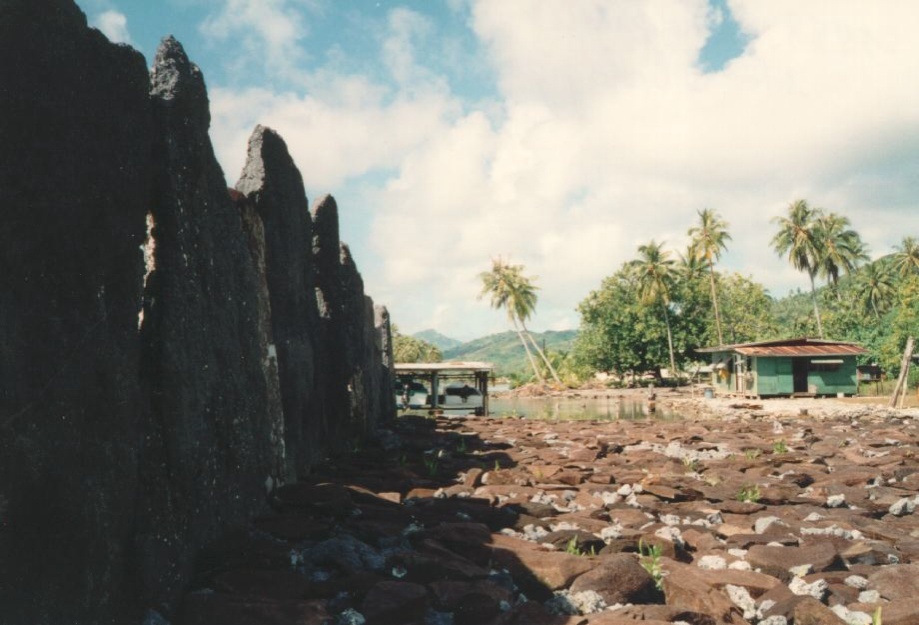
[[906, 258], [508, 288], [709, 239], [412, 349], [749, 310], [619, 333], [876, 287], [839, 248], [655, 273], [798, 239]]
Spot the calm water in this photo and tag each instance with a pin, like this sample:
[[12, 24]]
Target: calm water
[[575, 409]]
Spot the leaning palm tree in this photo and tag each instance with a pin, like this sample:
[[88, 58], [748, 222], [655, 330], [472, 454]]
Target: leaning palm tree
[[798, 239], [906, 258], [709, 239], [654, 272], [516, 293], [839, 248], [876, 287]]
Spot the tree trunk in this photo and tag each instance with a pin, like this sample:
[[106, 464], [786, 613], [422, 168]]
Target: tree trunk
[[673, 371], [523, 340], [816, 309], [711, 275], [541, 353]]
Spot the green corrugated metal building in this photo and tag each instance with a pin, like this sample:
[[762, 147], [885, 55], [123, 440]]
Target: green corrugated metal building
[[792, 367]]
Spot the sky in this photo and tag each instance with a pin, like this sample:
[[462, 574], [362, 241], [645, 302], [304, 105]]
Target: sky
[[559, 134]]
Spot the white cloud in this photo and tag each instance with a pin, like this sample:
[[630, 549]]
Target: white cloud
[[607, 134], [113, 25], [261, 33]]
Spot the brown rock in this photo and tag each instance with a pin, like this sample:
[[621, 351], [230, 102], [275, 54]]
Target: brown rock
[[269, 584], [896, 582], [539, 571], [619, 579], [805, 611], [394, 602], [211, 608], [685, 589], [777, 561]]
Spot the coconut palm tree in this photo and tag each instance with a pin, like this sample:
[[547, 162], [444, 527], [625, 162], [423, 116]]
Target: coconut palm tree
[[906, 258], [709, 239], [516, 293], [876, 286], [798, 238], [654, 272], [839, 247]]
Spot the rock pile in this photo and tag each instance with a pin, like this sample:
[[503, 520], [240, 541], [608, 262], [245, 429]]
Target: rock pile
[[509, 521]]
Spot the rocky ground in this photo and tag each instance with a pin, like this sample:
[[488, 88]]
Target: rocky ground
[[745, 512]]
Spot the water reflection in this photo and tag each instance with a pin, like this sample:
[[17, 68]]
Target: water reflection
[[576, 409]]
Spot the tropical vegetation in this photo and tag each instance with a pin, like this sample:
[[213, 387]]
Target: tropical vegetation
[[660, 306], [511, 290]]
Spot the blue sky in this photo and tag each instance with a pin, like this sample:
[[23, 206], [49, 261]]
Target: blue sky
[[559, 134]]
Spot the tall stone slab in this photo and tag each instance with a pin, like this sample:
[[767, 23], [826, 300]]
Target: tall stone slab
[[386, 409], [333, 399], [207, 451], [272, 185], [75, 122]]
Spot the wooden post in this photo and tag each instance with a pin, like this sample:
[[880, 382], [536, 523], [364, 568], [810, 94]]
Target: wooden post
[[899, 391]]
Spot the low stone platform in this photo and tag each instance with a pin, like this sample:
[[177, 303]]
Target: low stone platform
[[740, 519]]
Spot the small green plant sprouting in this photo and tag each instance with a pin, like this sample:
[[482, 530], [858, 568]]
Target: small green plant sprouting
[[691, 464], [651, 562], [572, 548], [780, 447], [752, 454], [497, 465], [749, 493], [461, 447], [876, 617], [431, 462]]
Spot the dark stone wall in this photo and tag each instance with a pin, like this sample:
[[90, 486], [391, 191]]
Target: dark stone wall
[[147, 410], [75, 183]]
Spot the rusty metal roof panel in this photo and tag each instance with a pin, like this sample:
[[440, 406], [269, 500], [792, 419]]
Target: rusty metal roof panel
[[833, 349], [802, 347]]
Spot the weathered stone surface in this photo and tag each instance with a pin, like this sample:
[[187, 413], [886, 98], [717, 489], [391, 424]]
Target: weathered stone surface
[[685, 589], [273, 187], [897, 582], [805, 610], [333, 400], [619, 579], [75, 183], [207, 447]]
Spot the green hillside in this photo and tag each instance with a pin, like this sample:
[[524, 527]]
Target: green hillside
[[506, 351]]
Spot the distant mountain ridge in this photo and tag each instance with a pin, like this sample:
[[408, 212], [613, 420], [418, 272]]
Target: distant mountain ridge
[[503, 349], [437, 339]]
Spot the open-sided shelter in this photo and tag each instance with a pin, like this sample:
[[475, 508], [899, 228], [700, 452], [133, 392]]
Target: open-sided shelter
[[792, 367]]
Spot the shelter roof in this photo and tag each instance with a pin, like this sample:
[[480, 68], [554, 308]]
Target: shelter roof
[[454, 366], [791, 347]]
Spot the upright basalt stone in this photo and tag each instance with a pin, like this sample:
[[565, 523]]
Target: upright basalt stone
[[333, 399], [386, 407], [75, 122], [356, 318], [207, 451], [272, 185]]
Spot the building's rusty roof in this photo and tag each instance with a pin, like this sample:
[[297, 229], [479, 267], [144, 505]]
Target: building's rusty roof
[[791, 347]]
